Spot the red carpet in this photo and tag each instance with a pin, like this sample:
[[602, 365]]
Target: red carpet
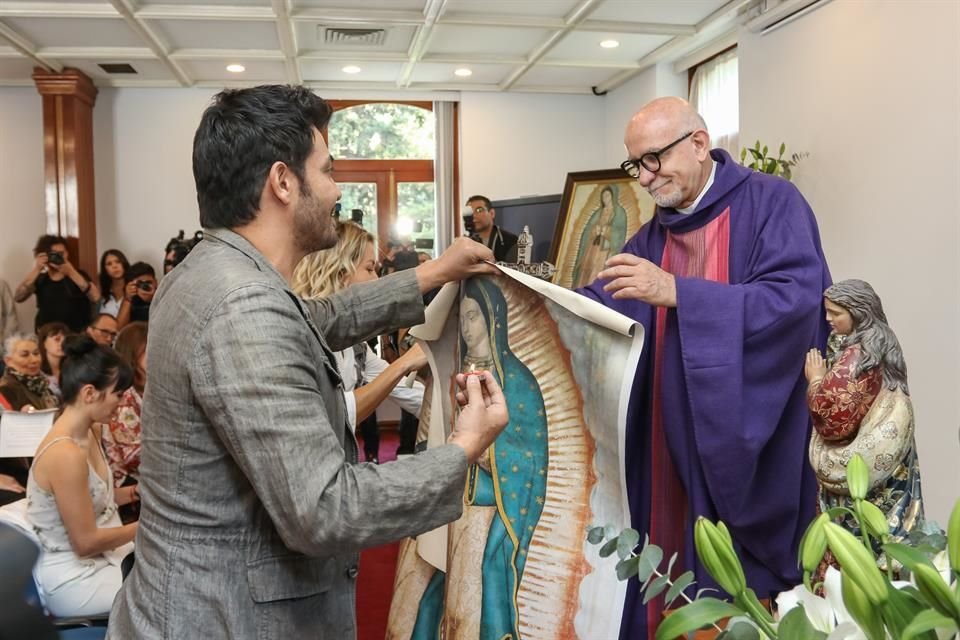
[[377, 567]]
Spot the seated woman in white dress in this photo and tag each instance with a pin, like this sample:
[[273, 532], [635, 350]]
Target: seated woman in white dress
[[367, 379], [71, 502]]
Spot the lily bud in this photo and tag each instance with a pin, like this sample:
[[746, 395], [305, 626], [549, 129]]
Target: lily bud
[[858, 564], [935, 591], [873, 520], [860, 608], [814, 544], [953, 539], [858, 477], [718, 557]]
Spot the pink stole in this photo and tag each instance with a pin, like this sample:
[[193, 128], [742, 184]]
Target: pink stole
[[701, 253]]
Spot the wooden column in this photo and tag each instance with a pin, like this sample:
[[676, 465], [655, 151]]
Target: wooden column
[[68, 99]]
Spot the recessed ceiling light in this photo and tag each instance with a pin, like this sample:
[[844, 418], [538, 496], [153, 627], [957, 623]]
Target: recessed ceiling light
[[463, 72], [236, 68], [351, 68], [609, 44]]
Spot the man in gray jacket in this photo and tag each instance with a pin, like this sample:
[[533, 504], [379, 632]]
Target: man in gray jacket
[[254, 506]]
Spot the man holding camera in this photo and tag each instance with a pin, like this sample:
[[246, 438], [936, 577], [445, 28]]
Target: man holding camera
[[64, 294], [141, 287], [501, 242]]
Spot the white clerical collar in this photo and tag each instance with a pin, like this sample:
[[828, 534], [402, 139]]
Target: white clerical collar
[[703, 192]]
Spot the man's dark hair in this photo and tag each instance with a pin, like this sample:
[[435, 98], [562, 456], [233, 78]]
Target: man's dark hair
[[239, 138], [138, 269], [486, 200], [46, 242]]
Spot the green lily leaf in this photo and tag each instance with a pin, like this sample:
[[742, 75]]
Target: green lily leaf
[[926, 622], [907, 556], [693, 616], [740, 630], [796, 626]]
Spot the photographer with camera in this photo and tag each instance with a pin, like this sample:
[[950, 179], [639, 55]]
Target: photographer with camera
[[478, 217], [141, 287], [64, 294], [177, 249]]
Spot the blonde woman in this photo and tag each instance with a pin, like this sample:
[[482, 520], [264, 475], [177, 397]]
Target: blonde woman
[[368, 380]]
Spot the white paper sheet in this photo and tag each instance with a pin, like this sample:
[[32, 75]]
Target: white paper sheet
[[21, 433]]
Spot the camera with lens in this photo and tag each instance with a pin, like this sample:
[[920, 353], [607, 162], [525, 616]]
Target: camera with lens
[[178, 248], [144, 285], [468, 225], [55, 257]]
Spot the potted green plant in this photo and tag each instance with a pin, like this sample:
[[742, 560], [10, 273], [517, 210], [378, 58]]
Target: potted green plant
[[777, 166]]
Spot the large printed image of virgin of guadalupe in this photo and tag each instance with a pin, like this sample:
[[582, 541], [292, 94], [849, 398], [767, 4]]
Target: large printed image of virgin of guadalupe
[[603, 235], [505, 490]]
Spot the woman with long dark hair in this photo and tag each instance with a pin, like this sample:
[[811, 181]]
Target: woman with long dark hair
[[50, 339], [71, 502], [113, 271]]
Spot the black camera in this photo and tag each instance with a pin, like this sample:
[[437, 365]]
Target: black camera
[[144, 285], [55, 257], [178, 248], [356, 215], [468, 225]]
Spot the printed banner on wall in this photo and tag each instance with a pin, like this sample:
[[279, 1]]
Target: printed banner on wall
[[517, 563]]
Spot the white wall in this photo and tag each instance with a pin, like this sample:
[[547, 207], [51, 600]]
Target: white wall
[[143, 141], [524, 144], [871, 91], [21, 188], [624, 101]]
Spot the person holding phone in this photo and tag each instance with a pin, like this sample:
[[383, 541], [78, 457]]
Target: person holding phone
[[138, 294], [64, 293]]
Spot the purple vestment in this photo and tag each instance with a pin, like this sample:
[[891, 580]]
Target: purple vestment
[[732, 400]]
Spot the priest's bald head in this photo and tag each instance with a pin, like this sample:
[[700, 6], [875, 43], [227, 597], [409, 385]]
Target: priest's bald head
[[669, 151]]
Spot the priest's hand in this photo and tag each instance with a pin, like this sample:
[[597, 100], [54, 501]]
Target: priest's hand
[[483, 413], [633, 277]]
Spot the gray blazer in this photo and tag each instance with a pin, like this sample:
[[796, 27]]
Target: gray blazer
[[254, 506]]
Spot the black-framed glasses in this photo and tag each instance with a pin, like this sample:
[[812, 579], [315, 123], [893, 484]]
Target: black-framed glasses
[[650, 161]]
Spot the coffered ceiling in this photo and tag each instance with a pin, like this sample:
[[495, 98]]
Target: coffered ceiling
[[416, 45]]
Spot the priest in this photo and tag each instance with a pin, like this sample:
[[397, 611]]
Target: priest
[[727, 278]]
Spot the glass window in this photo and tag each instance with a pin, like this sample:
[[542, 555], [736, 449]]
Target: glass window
[[360, 196], [416, 205], [382, 131]]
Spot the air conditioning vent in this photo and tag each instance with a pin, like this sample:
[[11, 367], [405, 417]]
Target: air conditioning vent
[[117, 67], [365, 36]]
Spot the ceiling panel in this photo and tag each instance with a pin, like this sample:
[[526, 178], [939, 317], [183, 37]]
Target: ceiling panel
[[543, 8], [309, 36], [73, 32], [217, 34], [219, 3], [215, 70], [687, 12], [480, 41], [443, 73], [323, 71], [564, 76], [392, 5], [586, 46], [146, 70]]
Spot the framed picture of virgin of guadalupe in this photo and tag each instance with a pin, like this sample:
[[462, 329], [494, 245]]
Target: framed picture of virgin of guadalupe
[[599, 212]]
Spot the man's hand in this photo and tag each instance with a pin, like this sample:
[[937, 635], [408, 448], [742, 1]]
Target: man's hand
[[815, 367], [414, 359], [633, 277], [464, 258], [130, 291], [483, 413], [40, 262]]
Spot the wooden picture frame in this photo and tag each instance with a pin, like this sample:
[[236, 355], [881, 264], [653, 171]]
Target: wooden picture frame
[[591, 228]]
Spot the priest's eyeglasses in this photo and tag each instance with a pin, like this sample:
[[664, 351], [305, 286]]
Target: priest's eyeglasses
[[650, 161]]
